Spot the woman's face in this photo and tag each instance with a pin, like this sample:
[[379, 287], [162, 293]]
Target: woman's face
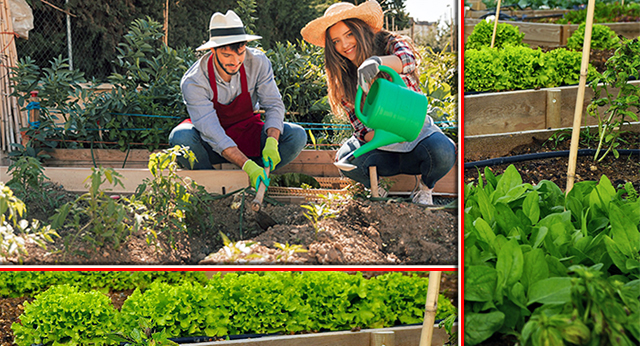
[[343, 40]]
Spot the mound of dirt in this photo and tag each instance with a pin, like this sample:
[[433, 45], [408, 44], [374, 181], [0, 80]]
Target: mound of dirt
[[361, 232]]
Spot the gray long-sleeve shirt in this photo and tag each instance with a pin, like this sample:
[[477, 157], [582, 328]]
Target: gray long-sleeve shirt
[[197, 94]]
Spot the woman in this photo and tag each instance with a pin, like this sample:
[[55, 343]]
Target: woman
[[354, 47]]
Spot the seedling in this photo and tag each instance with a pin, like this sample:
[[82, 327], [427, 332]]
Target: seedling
[[288, 251], [317, 212]]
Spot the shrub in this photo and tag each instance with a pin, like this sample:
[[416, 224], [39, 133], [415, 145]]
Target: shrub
[[506, 35], [62, 314], [602, 37]]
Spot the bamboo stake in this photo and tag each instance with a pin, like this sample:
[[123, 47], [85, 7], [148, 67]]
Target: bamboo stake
[[577, 118], [495, 24], [166, 24], [430, 308]]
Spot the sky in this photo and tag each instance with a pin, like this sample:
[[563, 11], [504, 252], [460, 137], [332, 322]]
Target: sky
[[430, 10]]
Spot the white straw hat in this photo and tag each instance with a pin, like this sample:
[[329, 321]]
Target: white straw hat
[[369, 11], [226, 29]]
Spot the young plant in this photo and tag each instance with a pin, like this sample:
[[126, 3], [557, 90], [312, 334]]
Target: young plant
[[239, 252], [288, 251], [317, 212], [11, 211], [622, 106], [64, 315], [95, 216], [168, 197]]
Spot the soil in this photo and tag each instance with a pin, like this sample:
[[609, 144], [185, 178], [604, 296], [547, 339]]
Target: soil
[[619, 171], [12, 308], [363, 231]]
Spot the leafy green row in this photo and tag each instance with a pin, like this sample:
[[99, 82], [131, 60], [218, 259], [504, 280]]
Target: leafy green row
[[512, 65], [577, 255], [29, 283], [271, 302]]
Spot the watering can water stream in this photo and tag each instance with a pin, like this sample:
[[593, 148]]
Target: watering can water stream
[[395, 113]]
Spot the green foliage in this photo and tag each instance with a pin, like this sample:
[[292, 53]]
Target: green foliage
[[602, 37], [95, 216], [613, 12], [184, 310], [15, 231], [236, 303], [316, 212], [168, 198], [294, 180], [598, 310], [438, 81], [515, 68], [522, 243], [621, 107], [298, 70], [63, 314], [506, 35], [21, 283], [542, 4]]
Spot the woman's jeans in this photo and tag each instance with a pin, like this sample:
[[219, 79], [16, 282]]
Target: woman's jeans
[[292, 140], [433, 157]]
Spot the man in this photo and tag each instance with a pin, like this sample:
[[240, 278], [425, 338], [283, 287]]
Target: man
[[222, 90]]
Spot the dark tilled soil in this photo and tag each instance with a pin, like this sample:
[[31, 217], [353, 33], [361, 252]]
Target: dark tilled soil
[[619, 171], [362, 232]]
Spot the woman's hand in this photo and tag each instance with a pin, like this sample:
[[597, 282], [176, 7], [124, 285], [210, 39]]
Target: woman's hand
[[367, 70]]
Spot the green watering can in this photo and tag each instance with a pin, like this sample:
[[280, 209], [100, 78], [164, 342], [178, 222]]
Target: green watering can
[[395, 112]]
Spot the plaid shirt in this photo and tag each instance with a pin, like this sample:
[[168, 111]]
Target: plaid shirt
[[401, 49]]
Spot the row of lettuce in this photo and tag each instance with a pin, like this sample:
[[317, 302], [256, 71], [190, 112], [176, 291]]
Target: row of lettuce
[[513, 65], [549, 268], [74, 308]]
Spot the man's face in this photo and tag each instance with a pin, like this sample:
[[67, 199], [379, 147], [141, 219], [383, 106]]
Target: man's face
[[229, 60]]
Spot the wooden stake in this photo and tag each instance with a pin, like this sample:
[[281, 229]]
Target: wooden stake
[[495, 24], [430, 308], [373, 178], [577, 118], [166, 24]]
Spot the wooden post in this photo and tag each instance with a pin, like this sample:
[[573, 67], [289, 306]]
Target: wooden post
[[166, 23], [373, 178], [430, 308], [495, 23], [575, 134], [553, 108], [383, 338]]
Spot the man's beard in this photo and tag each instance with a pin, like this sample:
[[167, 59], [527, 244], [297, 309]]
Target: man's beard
[[224, 69]]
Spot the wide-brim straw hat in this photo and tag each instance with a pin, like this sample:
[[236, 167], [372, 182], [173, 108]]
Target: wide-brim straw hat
[[369, 11], [226, 29]]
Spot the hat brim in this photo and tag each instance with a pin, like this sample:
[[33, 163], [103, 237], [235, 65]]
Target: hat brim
[[370, 12], [215, 42]]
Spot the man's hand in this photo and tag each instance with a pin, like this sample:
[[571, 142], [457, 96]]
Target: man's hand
[[367, 71], [256, 174], [270, 154]]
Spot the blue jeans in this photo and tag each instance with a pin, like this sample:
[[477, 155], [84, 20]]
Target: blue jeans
[[433, 157], [292, 140]]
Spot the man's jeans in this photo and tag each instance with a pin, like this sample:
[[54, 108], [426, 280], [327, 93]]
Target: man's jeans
[[433, 157], [292, 140]]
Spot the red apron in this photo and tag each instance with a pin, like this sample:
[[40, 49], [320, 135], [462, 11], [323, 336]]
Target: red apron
[[237, 118]]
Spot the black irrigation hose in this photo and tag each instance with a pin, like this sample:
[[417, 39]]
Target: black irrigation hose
[[545, 155]]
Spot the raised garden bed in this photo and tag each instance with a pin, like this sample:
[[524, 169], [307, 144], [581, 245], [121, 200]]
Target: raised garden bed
[[524, 110], [554, 35]]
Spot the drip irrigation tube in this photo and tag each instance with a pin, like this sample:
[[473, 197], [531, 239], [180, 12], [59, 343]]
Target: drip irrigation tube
[[545, 155]]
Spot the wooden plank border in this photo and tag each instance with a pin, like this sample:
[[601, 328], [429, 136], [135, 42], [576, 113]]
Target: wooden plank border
[[554, 35], [317, 163], [524, 110], [404, 336], [498, 145]]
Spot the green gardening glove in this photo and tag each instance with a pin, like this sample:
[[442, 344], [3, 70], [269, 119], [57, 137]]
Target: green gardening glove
[[270, 154], [256, 174]]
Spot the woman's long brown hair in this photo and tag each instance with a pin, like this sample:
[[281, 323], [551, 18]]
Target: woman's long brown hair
[[342, 74]]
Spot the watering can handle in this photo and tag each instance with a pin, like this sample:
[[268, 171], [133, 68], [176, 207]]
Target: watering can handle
[[395, 77]]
